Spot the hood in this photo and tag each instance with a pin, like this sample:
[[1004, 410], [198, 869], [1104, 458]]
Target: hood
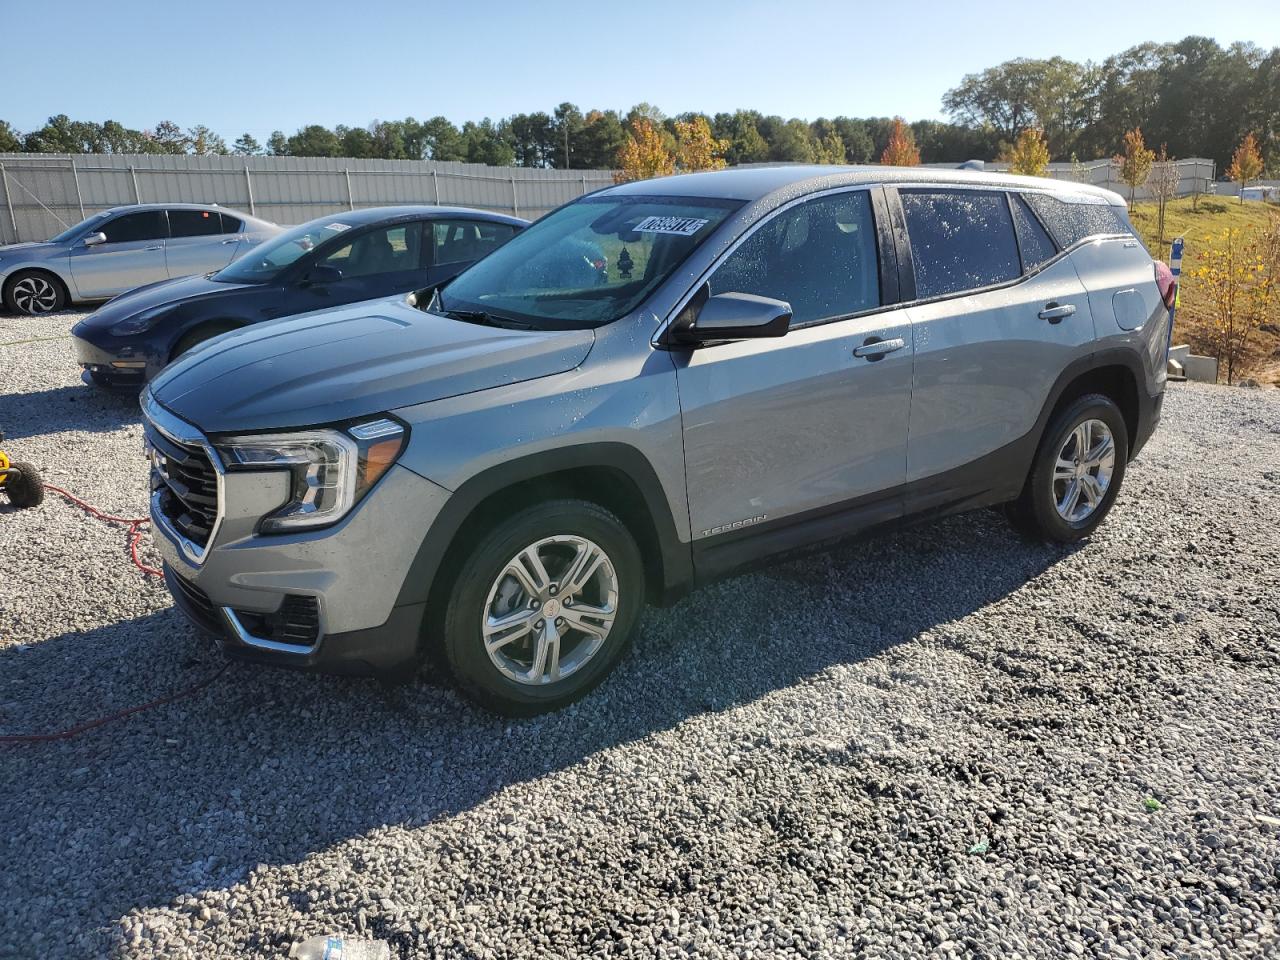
[[158, 294], [353, 361], [30, 245]]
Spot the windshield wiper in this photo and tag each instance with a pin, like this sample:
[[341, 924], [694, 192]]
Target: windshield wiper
[[488, 319]]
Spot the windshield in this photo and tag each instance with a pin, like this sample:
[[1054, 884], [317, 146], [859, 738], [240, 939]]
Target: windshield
[[587, 263], [262, 263], [70, 232]]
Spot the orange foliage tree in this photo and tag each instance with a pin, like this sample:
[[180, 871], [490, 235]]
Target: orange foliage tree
[[644, 154], [901, 151]]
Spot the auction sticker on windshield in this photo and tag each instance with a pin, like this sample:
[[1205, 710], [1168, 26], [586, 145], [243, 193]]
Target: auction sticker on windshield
[[337, 227], [681, 226]]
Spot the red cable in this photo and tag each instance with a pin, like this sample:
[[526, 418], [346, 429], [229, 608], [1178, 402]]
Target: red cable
[[80, 728], [135, 525]]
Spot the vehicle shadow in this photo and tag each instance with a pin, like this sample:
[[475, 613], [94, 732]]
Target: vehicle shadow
[[267, 766], [77, 408]]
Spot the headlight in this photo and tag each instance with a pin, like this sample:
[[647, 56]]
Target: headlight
[[140, 322], [331, 469]]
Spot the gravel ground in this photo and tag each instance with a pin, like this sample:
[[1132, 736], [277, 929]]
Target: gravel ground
[[948, 742]]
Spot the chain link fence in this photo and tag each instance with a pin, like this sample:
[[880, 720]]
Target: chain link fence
[[42, 194]]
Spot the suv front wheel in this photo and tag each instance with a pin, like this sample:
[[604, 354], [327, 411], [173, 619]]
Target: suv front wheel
[[1077, 472], [544, 607]]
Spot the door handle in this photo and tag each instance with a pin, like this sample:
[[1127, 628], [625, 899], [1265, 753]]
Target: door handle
[[159, 246], [876, 349], [1055, 312], [232, 240]]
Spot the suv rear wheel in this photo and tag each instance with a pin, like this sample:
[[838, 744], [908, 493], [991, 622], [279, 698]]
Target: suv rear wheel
[[544, 607], [1077, 472]]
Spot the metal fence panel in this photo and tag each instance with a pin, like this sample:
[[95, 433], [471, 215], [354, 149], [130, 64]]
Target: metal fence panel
[[41, 194]]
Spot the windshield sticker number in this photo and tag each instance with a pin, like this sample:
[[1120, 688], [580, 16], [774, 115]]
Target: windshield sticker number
[[337, 227], [680, 226]]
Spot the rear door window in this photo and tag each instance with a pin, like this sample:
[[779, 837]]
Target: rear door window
[[194, 223], [1033, 241], [461, 241], [144, 225], [1071, 221], [230, 224], [960, 240], [819, 256]]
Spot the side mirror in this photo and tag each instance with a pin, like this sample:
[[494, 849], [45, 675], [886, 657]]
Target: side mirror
[[734, 316], [93, 239], [323, 273]]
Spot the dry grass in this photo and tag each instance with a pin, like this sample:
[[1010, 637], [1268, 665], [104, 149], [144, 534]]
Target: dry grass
[[1212, 216]]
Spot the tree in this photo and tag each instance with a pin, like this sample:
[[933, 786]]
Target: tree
[[568, 123], [314, 141], [169, 138], [355, 141], [901, 149], [1246, 163], [746, 145], [791, 143], [1024, 93], [1029, 156], [9, 140], [644, 154], [1134, 165], [278, 144], [483, 142], [697, 148], [204, 142], [1162, 183], [246, 146], [1241, 286], [601, 138], [441, 140]]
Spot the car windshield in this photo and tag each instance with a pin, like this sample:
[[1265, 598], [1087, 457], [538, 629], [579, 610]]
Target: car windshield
[[262, 263], [70, 232], [588, 263]]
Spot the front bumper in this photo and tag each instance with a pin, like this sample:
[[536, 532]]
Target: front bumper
[[350, 574], [113, 361]]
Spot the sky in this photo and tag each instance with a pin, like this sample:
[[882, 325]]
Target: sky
[[277, 64]]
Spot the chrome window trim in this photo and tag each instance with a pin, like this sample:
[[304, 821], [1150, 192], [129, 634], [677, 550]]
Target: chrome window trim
[[184, 434], [275, 646]]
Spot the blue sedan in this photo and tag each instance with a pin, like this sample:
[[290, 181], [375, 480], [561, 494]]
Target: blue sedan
[[327, 262]]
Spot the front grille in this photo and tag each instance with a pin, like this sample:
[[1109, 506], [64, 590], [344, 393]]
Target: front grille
[[187, 484], [296, 622]]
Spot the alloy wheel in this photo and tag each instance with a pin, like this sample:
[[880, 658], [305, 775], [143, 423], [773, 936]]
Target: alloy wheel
[[550, 610], [34, 295], [1083, 471]]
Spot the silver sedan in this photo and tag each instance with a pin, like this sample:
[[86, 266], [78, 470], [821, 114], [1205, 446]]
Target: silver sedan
[[122, 248]]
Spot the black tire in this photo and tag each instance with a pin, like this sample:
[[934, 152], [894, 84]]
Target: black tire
[[462, 638], [193, 338], [1035, 512], [25, 488], [34, 293]]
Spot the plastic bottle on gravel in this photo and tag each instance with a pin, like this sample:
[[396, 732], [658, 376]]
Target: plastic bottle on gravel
[[334, 947]]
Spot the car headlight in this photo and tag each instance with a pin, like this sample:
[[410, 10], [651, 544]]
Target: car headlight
[[139, 322], [331, 469]]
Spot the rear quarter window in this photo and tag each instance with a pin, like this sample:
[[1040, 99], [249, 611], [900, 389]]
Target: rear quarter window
[[1070, 222], [960, 240], [1033, 241]]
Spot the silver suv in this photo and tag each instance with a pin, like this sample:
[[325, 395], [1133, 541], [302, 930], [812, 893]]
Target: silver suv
[[650, 388]]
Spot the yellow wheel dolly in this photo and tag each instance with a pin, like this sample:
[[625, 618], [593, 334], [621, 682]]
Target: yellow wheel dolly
[[21, 481]]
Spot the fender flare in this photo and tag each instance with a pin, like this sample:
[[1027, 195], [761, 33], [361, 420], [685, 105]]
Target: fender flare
[[674, 555]]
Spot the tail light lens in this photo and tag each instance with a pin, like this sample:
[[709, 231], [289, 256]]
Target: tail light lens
[[1168, 286]]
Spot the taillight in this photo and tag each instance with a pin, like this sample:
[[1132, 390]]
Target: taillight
[[1168, 286]]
